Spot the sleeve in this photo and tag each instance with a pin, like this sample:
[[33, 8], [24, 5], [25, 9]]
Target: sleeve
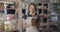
[[37, 17], [25, 17]]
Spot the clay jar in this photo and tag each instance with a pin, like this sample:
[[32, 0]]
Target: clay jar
[[10, 16]]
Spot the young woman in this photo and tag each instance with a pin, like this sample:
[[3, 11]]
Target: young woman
[[32, 13]]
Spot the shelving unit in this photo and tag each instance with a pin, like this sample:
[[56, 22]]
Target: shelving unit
[[8, 19], [43, 11], [54, 16]]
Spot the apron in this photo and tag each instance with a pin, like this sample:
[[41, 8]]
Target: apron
[[30, 28]]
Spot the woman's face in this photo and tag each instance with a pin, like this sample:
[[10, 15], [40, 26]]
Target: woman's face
[[32, 8]]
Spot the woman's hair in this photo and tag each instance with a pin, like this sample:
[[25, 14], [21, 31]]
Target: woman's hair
[[34, 22], [33, 5]]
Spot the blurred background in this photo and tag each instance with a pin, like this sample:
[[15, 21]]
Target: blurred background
[[12, 11]]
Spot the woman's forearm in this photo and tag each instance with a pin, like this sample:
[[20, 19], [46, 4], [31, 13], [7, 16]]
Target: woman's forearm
[[28, 26]]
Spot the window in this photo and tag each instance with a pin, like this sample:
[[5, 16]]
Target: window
[[54, 18], [11, 11], [23, 11], [39, 11], [46, 5], [45, 20], [45, 11]]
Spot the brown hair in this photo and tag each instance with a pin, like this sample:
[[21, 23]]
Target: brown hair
[[34, 22], [33, 5]]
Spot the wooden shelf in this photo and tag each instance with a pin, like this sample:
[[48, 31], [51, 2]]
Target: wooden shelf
[[4, 17], [39, 7], [44, 13], [2, 1], [43, 24], [10, 8], [10, 2]]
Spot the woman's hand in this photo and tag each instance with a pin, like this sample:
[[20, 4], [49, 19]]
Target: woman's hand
[[24, 25]]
